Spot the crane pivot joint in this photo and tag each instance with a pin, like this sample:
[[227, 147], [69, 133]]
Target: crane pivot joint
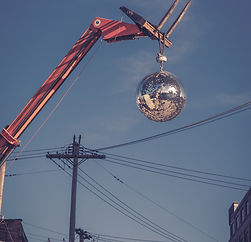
[[9, 138]]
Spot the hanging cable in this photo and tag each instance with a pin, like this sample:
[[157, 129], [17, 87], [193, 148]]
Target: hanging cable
[[137, 166], [149, 222], [178, 168], [223, 115], [31, 173], [125, 212], [42, 237], [37, 150], [45, 229], [233, 111], [155, 203], [105, 236]]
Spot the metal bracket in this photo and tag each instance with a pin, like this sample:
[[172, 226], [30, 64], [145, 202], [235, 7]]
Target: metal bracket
[[9, 138], [153, 31], [146, 27], [113, 31]]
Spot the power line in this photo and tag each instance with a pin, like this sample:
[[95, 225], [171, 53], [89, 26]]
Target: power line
[[139, 222], [36, 150], [42, 237], [114, 202], [33, 156], [124, 213], [100, 236], [35, 153], [179, 173], [175, 176], [149, 222], [156, 204], [170, 171], [235, 110], [125, 159], [45, 229], [31, 173], [41, 228], [36, 239], [29, 157], [179, 168]]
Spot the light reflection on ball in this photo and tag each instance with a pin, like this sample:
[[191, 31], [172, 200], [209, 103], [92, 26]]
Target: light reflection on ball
[[160, 96]]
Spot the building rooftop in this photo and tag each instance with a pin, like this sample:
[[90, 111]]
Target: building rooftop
[[11, 230]]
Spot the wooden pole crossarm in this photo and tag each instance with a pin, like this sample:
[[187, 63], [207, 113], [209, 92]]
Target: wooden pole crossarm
[[71, 156]]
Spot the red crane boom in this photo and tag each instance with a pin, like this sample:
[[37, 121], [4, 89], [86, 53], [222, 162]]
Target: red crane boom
[[111, 31]]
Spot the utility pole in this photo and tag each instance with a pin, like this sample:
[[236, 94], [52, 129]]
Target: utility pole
[[75, 152]]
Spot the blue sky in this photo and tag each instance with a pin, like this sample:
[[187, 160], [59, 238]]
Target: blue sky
[[210, 54]]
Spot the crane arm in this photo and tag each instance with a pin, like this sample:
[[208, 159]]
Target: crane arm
[[10, 134], [109, 30]]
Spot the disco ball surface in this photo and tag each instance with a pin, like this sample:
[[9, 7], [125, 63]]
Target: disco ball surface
[[161, 96]]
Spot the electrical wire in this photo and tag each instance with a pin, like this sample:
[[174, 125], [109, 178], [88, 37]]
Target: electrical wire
[[31, 173], [149, 222], [133, 217], [155, 203], [175, 176], [82, 171], [128, 160], [108, 240], [45, 229], [178, 168], [36, 239], [177, 130], [29, 157], [40, 237], [178, 173], [184, 175], [235, 110], [124, 213], [43, 149], [105, 236], [37, 153], [57, 170]]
